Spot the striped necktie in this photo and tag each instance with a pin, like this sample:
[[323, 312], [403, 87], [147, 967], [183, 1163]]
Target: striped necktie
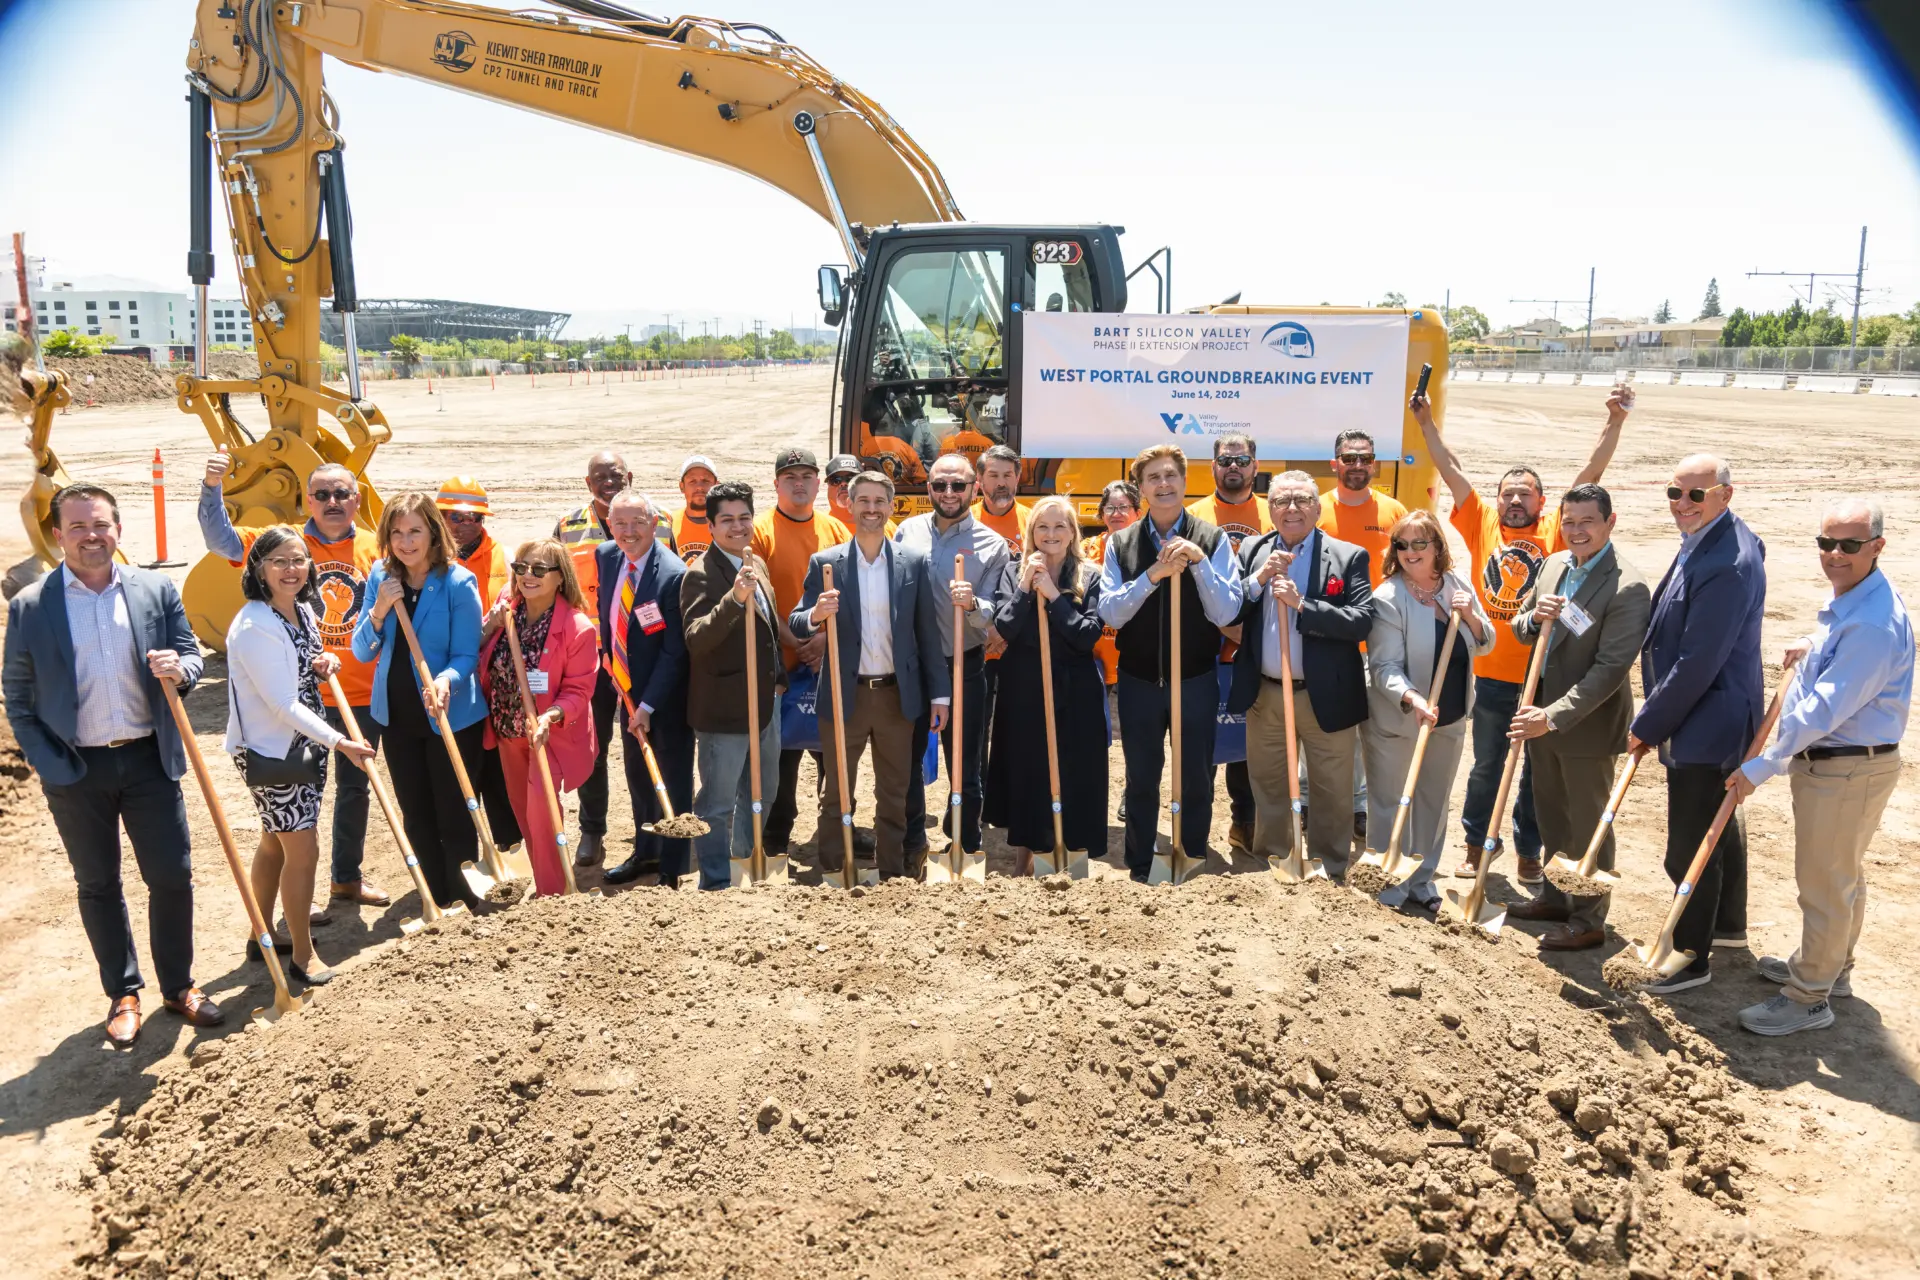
[[623, 614]]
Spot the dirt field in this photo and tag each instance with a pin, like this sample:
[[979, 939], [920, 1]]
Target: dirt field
[[1826, 1128]]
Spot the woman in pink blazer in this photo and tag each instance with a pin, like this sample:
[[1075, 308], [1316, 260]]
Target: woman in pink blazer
[[557, 641]]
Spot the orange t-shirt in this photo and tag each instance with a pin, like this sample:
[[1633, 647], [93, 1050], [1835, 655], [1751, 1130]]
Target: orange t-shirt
[[1011, 526], [1106, 649], [691, 535], [488, 565], [1365, 524], [340, 571], [1503, 564], [787, 545], [1239, 521]]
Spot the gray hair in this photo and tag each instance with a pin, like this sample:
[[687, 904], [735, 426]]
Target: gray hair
[[1853, 509], [333, 469], [1722, 471], [1291, 479], [633, 498], [880, 478]]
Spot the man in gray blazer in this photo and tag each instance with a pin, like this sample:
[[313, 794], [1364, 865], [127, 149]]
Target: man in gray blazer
[[886, 613], [87, 647], [1577, 726]]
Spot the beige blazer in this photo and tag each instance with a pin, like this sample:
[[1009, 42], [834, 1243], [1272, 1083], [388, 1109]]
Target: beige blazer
[[1584, 686], [1401, 652]]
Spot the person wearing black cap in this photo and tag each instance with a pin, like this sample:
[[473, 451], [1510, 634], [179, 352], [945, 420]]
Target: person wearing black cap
[[786, 537], [841, 469]]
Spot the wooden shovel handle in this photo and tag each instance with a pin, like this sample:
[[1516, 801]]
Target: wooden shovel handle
[[646, 748], [429, 909], [757, 860], [1725, 813], [1591, 858], [1425, 734], [1046, 698], [839, 733], [1174, 682], [446, 727], [955, 782]]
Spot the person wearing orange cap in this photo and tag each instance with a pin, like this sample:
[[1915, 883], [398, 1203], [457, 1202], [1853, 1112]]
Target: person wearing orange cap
[[463, 501]]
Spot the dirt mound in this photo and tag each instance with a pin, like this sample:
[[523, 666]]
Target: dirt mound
[[1228, 1079], [129, 379]]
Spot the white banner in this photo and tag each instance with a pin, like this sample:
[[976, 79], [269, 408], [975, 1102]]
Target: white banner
[[1103, 385]]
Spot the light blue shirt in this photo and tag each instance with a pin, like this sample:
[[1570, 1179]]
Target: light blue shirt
[[1215, 578], [1855, 686], [106, 663], [1299, 572], [1576, 578], [1688, 541], [985, 559]]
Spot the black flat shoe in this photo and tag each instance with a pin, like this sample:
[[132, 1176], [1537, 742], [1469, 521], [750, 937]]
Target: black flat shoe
[[253, 949], [624, 873], [319, 979]]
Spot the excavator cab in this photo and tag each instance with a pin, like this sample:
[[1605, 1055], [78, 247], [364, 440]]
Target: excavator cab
[[930, 355]]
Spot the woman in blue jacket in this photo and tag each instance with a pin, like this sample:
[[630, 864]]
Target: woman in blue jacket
[[421, 569]]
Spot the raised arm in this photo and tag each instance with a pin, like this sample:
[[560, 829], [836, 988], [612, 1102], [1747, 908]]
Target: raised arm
[[1445, 461], [1619, 404]]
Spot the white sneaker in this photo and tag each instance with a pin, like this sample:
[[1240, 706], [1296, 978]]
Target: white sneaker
[[1684, 980], [1782, 1017], [1774, 969]]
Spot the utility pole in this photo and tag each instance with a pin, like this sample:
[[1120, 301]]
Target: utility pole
[[1817, 275], [1859, 278], [1591, 274]]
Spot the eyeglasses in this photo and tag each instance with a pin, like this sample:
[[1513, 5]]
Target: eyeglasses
[[949, 486], [1849, 545], [287, 564], [522, 569], [334, 495], [1234, 460], [1675, 492], [463, 517], [1356, 459], [1295, 500], [1412, 544]]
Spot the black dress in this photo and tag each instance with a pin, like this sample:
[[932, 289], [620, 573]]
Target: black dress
[[1018, 795]]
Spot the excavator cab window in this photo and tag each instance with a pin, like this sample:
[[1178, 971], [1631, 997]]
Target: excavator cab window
[[936, 376]]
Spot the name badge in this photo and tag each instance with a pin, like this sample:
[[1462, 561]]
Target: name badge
[[1575, 619], [648, 613], [536, 681]]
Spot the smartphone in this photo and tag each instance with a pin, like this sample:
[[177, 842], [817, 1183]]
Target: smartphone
[[1426, 372]]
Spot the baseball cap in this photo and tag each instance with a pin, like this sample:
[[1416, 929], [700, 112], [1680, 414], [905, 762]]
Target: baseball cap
[[794, 456], [842, 464], [696, 461], [462, 493]]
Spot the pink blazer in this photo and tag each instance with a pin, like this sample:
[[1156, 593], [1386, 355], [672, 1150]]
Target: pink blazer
[[571, 661]]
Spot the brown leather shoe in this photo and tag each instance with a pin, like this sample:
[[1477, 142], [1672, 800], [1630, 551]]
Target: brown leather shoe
[[1240, 836], [1537, 909], [193, 1006], [362, 892], [1567, 938], [123, 1021], [1528, 871], [1470, 865]]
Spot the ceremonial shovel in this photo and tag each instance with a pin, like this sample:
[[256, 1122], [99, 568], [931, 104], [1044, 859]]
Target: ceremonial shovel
[[957, 863], [756, 867], [1296, 866], [675, 826], [1376, 871], [430, 911], [1650, 964], [848, 875], [1472, 907], [493, 867], [1074, 861], [541, 764], [284, 1001], [1584, 879], [1174, 866]]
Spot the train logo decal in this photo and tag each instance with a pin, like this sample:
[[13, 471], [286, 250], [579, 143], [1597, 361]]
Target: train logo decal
[[1289, 338], [453, 50]]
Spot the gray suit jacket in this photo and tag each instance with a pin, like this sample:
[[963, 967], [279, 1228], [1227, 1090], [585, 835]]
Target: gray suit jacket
[[915, 604], [1584, 686], [1401, 653], [43, 702]]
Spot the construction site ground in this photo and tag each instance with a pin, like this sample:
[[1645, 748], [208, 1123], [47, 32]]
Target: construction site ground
[[1225, 1079]]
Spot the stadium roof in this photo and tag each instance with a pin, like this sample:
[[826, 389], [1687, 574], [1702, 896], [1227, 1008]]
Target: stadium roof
[[438, 319]]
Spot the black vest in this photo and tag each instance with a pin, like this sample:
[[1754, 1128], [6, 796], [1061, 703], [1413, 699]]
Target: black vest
[[1144, 642]]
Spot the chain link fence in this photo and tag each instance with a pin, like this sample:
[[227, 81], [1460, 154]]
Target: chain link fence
[[1865, 361]]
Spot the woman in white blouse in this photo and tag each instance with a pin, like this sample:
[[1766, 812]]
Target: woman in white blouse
[[275, 665]]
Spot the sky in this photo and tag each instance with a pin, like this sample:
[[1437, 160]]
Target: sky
[[1292, 153]]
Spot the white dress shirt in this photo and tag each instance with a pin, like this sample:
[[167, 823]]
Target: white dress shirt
[[876, 612], [106, 663]]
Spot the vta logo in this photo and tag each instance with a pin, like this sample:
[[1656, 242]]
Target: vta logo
[[453, 50], [1178, 423], [1289, 338]]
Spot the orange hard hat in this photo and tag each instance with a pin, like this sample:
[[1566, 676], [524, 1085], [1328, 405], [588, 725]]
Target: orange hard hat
[[463, 493]]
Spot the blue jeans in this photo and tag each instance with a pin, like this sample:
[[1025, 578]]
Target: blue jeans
[[1146, 711], [724, 800], [1494, 702]]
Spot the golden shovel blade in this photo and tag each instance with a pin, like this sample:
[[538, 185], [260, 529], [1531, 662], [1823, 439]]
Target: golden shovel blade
[[740, 872], [272, 1013], [861, 875], [479, 883], [972, 868], [1296, 869], [1174, 868], [1488, 916], [1048, 862], [1664, 958], [1565, 874], [515, 863]]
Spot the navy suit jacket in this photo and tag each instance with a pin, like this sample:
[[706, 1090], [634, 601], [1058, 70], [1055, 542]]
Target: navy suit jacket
[[916, 606], [43, 702], [1333, 624], [1700, 664], [657, 663]]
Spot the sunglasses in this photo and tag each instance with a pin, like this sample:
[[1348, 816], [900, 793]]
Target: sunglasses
[[1356, 459], [334, 495], [522, 569], [1675, 492], [1412, 544], [463, 517], [1234, 460], [949, 486], [1296, 500], [1849, 545]]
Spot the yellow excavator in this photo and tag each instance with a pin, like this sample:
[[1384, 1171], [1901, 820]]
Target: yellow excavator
[[266, 141]]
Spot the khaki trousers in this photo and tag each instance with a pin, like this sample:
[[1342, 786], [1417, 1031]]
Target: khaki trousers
[[1329, 763], [873, 716], [1569, 796], [1836, 810]]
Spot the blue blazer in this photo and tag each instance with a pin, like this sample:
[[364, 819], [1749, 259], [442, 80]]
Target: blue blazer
[[1700, 663], [657, 663], [916, 605], [43, 702], [447, 620]]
